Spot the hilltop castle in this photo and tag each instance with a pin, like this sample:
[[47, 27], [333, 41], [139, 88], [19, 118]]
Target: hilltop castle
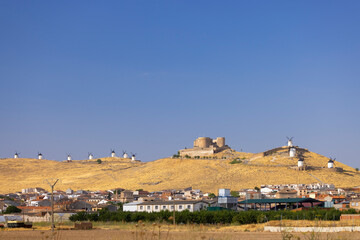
[[205, 146]]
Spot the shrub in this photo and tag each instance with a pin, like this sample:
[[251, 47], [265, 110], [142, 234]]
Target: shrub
[[212, 195], [235, 194], [207, 217], [12, 209], [99, 161], [235, 161]]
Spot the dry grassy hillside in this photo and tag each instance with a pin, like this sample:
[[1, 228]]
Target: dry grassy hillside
[[204, 174]]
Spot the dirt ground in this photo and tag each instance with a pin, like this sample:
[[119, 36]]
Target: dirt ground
[[153, 235]]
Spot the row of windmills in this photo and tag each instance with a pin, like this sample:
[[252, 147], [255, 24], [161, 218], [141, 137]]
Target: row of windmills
[[124, 155], [39, 155], [292, 153], [112, 154], [90, 155], [330, 164]]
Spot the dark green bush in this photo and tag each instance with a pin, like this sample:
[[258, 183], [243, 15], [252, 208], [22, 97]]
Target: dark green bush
[[12, 209], [208, 217]]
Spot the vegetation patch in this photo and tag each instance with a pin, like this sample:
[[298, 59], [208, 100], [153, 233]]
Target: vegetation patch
[[207, 217]]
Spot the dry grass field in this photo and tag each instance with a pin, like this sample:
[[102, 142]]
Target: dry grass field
[[205, 174], [155, 231]]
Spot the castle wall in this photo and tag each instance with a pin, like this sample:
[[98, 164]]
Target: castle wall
[[196, 152], [205, 146]]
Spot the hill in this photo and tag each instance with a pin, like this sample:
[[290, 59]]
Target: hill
[[205, 174]]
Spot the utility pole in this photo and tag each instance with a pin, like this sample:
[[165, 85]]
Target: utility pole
[[174, 208], [52, 185]]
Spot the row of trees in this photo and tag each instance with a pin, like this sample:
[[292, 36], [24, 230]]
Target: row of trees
[[209, 217]]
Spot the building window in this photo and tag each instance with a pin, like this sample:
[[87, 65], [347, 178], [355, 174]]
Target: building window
[[148, 207], [164, 207], [189, 206], [156, 207], [172, 207], [180, 206], [141, 207], [352, 204]]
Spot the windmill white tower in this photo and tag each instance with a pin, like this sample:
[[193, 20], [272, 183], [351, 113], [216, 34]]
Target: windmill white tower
[[40, 156], [300, 163], [292, 152], [68, 157], [90, 156], [125, 155], [133, 156], [331, 163], [113, 154], [289, 142], [16, 155]]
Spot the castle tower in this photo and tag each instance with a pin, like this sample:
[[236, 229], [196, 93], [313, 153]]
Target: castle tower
[[202, 142], [220, 141]]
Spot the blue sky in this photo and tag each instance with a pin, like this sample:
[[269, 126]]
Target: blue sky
[[151, 76]]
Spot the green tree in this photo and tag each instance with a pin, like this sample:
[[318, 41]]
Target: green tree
[[235, 194], [12, 209], [212, 195], [99, 161], [257, 188], [357, 169]]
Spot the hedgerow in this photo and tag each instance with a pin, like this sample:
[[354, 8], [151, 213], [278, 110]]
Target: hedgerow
[[208, 217]]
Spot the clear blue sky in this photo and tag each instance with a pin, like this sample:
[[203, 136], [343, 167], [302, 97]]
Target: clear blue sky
[[151, 76]]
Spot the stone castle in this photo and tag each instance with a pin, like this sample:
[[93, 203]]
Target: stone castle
[[205, 146]]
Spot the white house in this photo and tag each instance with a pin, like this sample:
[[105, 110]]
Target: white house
[[226, 200], [157, 206], [266, 190]]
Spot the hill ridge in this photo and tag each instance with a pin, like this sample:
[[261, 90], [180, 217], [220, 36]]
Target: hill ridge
[[208, 175]]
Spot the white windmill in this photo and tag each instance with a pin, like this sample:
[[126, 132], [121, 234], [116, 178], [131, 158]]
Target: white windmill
[[292, 151], [40, 156], [69, 157], [300, 163], [331, 162], [125, 155], [16, 155], [133, 156], [113, 154], [290, 142], [90, 156]]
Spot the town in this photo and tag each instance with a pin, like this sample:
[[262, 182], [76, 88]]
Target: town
[[34, 204]]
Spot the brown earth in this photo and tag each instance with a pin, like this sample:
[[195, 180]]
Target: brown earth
[[179, 235]]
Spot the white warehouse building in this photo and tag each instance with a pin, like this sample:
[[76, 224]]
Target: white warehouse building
[[157, 206]]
